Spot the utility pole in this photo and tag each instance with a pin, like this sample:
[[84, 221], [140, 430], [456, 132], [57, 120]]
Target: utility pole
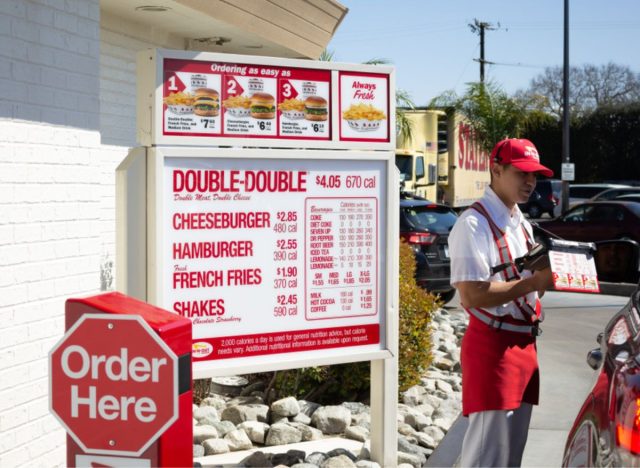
[[479, 27], [565, 114]]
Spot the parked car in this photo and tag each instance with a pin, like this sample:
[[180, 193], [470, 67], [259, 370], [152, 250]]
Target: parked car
[[630, 198], [544, 199], [606, 431], [579, 193], [425, 226], [595, 221], [614, 193]]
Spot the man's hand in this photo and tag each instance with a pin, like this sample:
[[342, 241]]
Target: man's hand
[[543, 280], [495, 293]]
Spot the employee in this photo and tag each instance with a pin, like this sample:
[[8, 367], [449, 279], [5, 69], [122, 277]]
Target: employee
[[500, 380]]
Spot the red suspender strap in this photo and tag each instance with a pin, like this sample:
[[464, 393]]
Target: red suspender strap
[[510, 273], [527, 237], [503, 248], [538, 308]]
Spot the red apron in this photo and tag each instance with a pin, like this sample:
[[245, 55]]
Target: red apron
[[499, 367]]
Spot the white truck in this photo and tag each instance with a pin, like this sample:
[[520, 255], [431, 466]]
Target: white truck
[[442, 162]]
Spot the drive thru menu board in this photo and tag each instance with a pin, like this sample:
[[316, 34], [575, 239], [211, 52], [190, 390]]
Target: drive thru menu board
[[275, 255], [202, 98], [193, 98]]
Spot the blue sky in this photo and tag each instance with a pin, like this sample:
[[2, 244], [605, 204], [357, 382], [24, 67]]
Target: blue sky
[[431, 46]]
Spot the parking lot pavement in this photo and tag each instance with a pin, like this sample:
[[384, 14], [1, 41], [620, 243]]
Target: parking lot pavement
[[572, 322]]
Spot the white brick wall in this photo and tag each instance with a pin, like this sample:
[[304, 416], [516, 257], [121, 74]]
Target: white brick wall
[[50, 250], [51, 174], [49, 56], [67, 119]]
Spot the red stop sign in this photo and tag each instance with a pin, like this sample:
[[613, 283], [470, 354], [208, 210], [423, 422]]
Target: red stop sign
[[114, 384]]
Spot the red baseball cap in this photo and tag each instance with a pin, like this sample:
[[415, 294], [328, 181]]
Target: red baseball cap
[[521, 154]]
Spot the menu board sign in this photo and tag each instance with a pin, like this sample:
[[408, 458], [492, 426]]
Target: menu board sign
[[207, 99], [248, 101], [364, 107], [270, 256], [573, 271]]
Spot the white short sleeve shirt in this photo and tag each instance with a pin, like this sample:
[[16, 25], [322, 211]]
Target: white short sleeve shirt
[[474, 251]]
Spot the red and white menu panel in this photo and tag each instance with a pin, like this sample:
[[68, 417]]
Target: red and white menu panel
[[364, 107], [203, 98], [341, 242], [274, 256], [573, 271]]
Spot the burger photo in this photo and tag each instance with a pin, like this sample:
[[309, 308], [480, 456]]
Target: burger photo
[[263, 106], [315, 108], [206, 102]]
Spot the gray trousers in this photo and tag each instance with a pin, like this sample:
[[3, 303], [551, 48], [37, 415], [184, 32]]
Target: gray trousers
[[496, 438]]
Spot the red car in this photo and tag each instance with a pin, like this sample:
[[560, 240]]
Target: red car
[[606, 431], [596, 221]]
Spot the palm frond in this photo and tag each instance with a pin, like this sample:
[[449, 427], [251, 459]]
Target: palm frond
[[404, 128], [403, 99], [326, 55], [377, 61]]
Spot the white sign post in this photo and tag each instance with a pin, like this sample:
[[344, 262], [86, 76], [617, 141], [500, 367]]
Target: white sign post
[[282, 258]]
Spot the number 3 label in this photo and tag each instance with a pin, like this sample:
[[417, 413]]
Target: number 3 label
[[286, 90]]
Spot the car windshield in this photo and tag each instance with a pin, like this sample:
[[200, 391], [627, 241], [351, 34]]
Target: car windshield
[[435, 219], [631, 198], [584, 191], [579, 214], [610, 194], [598, 213], [634, 208], [404, 163]]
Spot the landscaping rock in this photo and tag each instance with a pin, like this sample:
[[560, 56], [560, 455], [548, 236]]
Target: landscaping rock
[[341, 461], [238, 440], [357, 433], [255, 430], [257, 460], [331, 419], [215, 446], [282, 434], [287, 407], [202, 433], [238, 414]]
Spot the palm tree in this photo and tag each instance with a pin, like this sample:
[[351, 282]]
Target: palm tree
[[491, 113]]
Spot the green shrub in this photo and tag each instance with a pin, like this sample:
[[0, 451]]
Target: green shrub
[[415, 309], [326, 384]]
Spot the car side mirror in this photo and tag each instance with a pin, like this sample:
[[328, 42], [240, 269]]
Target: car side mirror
[[617, 261], [594, 358]]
